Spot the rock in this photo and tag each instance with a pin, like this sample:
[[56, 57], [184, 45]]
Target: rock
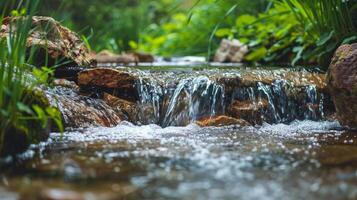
[[106, 56], [222, 120], [231, 51], [82, 111], [66, 83], [107, 78], [250, 111], [61, 44], [342, 84], [17, 140], [143, 57], [250, 78], [128, 108], [116, 82]]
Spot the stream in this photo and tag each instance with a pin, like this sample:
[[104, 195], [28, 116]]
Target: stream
[[291, 150]]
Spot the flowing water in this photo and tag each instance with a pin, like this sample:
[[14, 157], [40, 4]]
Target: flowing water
[[294, 152], [303, 160], [179, 97]]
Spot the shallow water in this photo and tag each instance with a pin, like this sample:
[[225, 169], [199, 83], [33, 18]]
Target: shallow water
[[302, 160]]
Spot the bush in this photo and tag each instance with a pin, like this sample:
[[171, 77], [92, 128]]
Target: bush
[[188, 33]]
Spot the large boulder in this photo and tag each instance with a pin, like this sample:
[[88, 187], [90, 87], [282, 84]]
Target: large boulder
[[342, 84], [62, 45]]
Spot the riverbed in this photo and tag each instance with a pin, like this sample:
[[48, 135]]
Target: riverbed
[[302, 160]]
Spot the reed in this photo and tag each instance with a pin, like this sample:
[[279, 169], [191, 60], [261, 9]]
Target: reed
[[326, 21], [18, 112]]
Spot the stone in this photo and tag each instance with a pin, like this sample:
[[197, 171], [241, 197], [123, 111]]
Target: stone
[[231, 51], [66, 83], [342, 84], [222, 120], [143, 57], [50, 38], [119, 83], [128, 108], [108, 78], [17, 140], [250, 111], [106, 56], [82, 111], [250, 78]]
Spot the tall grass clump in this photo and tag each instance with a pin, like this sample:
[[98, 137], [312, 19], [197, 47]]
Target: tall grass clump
[[21, 112], [327, 22]]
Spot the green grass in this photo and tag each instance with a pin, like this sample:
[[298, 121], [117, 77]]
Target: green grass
[[21, 110], [328, 23]]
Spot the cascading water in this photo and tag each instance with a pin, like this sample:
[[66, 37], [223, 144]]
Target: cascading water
[[285, 103], [194, 99], [180, 104], [178, 101]]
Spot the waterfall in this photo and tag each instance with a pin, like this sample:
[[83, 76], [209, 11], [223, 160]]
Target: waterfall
[[179, 104], [285, 102]]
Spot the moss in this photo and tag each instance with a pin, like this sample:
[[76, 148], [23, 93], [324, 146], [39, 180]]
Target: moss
[[16, 139]]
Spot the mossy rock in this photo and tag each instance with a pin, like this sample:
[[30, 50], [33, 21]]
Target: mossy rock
[[17, 139]]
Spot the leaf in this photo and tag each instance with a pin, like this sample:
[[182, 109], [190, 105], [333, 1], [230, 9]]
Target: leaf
[[24, 108], [244, 20], [325, 38], [299, 51], [41, 115], [133, 44], [257, 54], [223, 32], [349, 40], [55, 115]]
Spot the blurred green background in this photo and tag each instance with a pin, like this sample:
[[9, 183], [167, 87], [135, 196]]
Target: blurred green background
[[298, 32]]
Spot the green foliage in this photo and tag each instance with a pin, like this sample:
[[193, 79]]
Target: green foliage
[[271, 36], [287, 31], [20, 107], [109, 24], [189, 33], [329, 23]]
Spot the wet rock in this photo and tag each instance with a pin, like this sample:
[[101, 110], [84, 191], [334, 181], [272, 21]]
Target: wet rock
[[17, 140], [82, 111], [50, 38], [222, 120], [66, 83], [128, 108], [231, 51], [342, 84], [250, 111], [116, 82], [250, 78], [107, 78]]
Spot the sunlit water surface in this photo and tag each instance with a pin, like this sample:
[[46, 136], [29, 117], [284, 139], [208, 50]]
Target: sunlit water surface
[[303, 160]]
